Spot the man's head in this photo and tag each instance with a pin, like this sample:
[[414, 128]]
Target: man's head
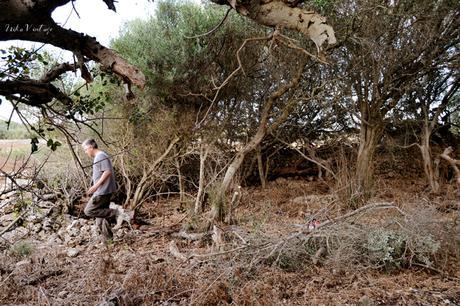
[[90, 147]]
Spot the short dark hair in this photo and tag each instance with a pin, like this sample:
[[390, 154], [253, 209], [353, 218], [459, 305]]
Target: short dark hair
[[90, 142]]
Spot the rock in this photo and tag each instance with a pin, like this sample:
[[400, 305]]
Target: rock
[[16, 234], [73, 252], [365, 301], [8, 195], [281, 181], [45, 204], [6, 220], [54, 239], [75, 224], [315, 199], [37, 227], [35, 216], [63, 294], [48, 224], [49, 197], [24, 262], [43, 235]]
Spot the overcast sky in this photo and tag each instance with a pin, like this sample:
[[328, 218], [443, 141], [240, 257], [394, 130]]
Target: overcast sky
[[95, 20]]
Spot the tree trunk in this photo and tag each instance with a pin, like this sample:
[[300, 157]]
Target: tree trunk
[[369, 138], [180, 180], [430, 173], [260, 165], [218, 208], [199, 197]]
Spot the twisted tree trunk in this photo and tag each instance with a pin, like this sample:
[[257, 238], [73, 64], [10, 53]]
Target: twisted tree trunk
[[218, 210]]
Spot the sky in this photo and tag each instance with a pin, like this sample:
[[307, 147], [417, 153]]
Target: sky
[[95, 19]]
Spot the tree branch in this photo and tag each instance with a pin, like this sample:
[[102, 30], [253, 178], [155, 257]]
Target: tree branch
[[33, 22], [39, 92]]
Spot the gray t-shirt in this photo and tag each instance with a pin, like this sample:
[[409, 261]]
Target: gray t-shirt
[[102, 163]]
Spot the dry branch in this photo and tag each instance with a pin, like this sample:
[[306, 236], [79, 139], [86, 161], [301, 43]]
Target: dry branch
[[306, 231], [452, 162]]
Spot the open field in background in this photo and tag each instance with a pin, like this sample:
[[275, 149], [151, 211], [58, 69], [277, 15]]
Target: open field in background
[[15, 152]]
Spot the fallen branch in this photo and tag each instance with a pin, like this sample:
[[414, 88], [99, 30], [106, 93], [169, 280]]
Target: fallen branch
[[307, 231]]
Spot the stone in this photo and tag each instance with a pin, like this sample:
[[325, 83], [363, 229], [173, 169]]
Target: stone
[[63, 294], [37, 227], [6, 220], [73, 252], [281, 181], [16, 234], [54, 239], [35, 216], [45, 204], [49, 197], [48, 224], [8, 195], [365, 301], [24, 262]]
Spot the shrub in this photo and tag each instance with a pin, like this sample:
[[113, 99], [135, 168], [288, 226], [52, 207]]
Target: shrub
[[22, 248]]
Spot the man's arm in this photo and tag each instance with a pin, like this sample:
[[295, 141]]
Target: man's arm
[[105, 175]]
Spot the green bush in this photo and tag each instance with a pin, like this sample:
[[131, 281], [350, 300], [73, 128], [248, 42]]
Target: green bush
[[22, 248], [393, 248]]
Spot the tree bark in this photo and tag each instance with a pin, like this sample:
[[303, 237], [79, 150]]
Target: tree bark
[[260, 166], [31, 20], [199, 197], [430, 173], [452, 162], [282, 14], [180, 179], [369, 138]]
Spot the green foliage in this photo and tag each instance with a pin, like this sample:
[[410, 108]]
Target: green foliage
[[164, 51], [385, 246], [34, 144], [323, 5], [19, 62], [22, 248], [20, 205], [395, 247]]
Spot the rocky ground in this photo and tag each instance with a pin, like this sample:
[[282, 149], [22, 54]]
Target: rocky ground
[[49, 257]]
